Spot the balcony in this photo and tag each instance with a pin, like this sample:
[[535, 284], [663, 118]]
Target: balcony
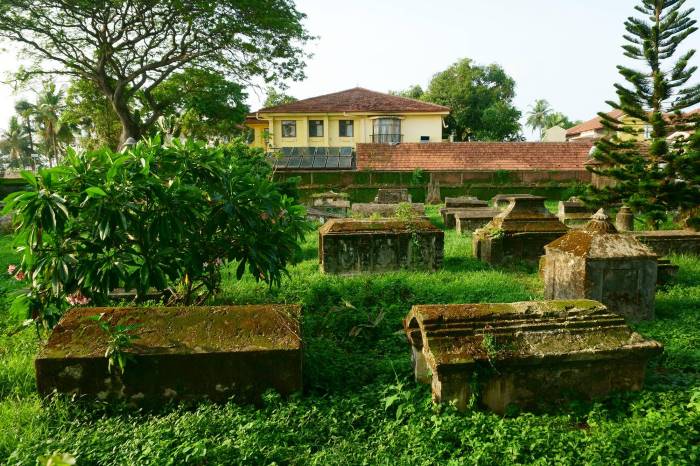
[[387, 138]]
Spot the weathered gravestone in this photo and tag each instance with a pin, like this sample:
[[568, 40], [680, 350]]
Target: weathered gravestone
[[599, 263], [573, 213], [468, 220], [332, 202], [502, 201], [182, 353], [528, 354], [466, 202], [362, 209], [517, 233], [665, 242], [348, 246], [392, 196]]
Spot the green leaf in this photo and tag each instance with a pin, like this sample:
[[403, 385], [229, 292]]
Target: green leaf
[[94, 191]]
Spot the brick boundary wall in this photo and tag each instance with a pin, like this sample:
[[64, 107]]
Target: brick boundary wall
[[474, 157]]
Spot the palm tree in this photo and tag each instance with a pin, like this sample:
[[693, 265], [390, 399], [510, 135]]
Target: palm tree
[[537, 116], [14, 141], [26, 110], [48, 108]]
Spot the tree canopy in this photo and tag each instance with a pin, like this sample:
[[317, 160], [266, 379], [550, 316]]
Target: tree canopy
[[128, 48], [481, 99]]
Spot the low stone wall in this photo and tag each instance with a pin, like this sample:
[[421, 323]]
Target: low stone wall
[[187, 353], [665, 242], [349, 246]]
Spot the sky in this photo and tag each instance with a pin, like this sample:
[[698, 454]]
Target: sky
[[564, 51]]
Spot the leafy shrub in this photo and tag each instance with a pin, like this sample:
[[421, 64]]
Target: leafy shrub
[[163, 217]]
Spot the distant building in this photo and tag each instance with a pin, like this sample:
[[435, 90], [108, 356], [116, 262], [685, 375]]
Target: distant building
[[593, 129], [554, 134], [345, 119]]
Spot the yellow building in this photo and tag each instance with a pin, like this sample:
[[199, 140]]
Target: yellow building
[[344, 119], [594, 129]]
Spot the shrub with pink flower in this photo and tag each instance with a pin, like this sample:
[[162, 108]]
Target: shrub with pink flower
[[11, 269], [77, 299], [19, 276]]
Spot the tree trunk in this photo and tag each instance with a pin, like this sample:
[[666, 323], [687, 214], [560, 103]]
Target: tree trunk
[[130, 128]]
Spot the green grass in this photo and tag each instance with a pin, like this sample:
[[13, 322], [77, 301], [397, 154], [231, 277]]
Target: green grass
[[360, 404]]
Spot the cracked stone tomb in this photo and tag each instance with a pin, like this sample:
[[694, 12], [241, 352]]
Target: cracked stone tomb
[[181, 353], [528, 354], [350, 246], [599, 263], [520, 232], [469, 220]]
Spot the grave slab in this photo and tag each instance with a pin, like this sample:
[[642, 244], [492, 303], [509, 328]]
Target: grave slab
[[362, 209], [464, 202], [392, 196], [529, 354], [665, 242], [182, 353], [351, 246]]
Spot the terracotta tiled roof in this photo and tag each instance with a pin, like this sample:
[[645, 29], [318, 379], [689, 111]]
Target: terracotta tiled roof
[[356, 100], [558, 156], [591, 125]]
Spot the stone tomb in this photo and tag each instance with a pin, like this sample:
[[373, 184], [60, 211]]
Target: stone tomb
[[665, 242], [465, 202], [182, 353], [501, 201], [349, 246], [392, 196], [573, 213], [517, 233], [529, 354], [468, 220], [362, 209], [449, 214], [599, 263]]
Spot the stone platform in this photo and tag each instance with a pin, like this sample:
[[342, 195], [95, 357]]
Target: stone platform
[[665, 242], [182, 353], [529, 354], [349, 246]]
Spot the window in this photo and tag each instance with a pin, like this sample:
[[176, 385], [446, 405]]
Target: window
[[345, 128], [647, 131], [315, 128], [289, 129], [387, 130]]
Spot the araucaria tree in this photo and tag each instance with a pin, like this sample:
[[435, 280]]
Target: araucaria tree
[[128, 48], [659, 173]]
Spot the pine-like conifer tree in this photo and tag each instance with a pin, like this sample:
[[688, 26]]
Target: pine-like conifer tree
[[652, 173]]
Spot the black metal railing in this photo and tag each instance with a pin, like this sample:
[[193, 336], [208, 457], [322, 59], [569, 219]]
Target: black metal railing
[[387, 138]]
